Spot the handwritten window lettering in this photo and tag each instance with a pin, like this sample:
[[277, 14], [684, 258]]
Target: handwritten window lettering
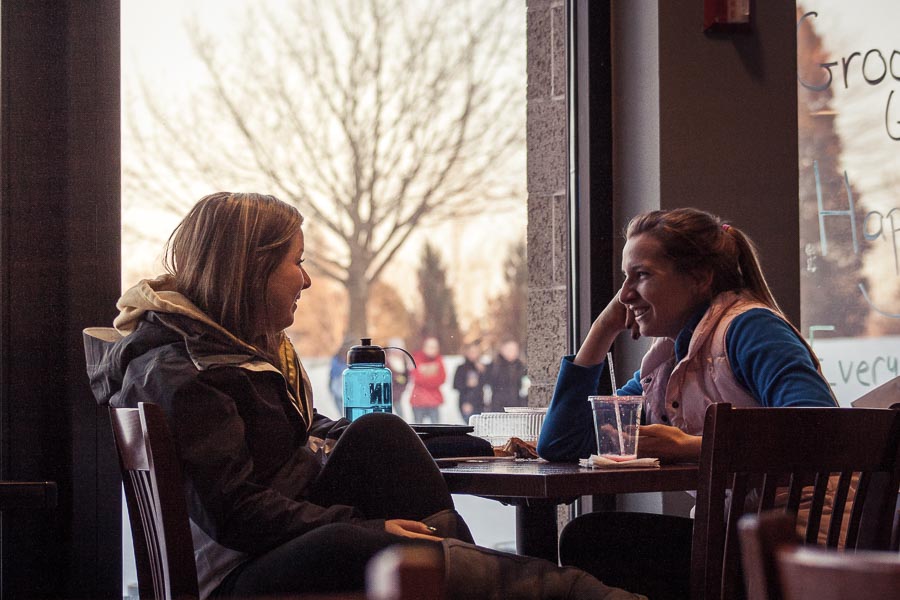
[[848, 70], [873, 68]]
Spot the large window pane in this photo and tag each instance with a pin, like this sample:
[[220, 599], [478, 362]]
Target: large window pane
[[849, 128], [397, 127]]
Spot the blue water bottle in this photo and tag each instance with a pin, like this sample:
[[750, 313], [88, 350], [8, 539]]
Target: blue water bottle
[[367, 382]]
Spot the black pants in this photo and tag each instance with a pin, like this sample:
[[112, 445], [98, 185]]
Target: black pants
[[644, 553], [379, 466]]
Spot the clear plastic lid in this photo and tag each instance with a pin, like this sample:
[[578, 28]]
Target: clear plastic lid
[[496, 427]]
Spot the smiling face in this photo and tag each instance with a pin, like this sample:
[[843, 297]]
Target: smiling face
[[660, 297], [285, 284]]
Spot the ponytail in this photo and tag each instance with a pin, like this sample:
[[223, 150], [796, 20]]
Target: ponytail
[[753, 280], [698, 242]]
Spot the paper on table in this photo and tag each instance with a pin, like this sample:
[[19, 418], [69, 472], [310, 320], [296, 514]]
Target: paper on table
[[604, 463], [884, 396]]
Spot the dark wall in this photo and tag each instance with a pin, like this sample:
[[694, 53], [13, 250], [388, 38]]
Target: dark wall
[[728, 129], [709, 120], [59, 256]]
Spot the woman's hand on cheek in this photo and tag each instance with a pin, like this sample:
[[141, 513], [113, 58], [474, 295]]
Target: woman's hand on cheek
[[615, 316], [668, 443], [631, 324], [630, 321], [612, 320]]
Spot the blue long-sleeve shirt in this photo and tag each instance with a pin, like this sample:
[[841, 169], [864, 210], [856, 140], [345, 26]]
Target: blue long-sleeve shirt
[[766, 356]]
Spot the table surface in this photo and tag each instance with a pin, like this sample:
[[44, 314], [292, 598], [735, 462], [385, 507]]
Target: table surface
[[558, 481]]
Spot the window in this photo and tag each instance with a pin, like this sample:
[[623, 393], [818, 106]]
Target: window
[[399, 135], [397, 129], [848, 111]]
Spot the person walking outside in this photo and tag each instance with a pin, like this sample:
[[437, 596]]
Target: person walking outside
[[469, 380], [506, 377], [428, 377]]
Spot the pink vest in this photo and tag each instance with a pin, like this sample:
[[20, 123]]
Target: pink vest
[[678, 394]]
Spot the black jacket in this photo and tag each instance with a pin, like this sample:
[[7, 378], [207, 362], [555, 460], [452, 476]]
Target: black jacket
[[241, 436]]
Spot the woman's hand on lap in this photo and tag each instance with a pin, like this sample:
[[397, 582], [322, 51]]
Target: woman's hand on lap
[[410, 529]]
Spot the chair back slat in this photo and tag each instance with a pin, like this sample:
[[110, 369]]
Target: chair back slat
[[143, 488], [805, 447], [740, 496], [794, 492], [816, 503], [154, 493], [838, 511], [879, 500], [769, 491], [862, 490]]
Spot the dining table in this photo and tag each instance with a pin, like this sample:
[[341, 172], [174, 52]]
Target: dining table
[[537, 487]]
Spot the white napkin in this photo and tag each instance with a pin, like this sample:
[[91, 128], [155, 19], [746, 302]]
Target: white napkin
[[606, 463]]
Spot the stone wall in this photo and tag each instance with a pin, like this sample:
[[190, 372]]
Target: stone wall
[[548, 222]]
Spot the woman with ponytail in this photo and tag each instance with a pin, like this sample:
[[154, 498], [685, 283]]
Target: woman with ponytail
[[693, 284]]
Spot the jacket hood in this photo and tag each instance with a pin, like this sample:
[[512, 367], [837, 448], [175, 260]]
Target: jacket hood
[[159, 295], [109, 351], [154, 315]]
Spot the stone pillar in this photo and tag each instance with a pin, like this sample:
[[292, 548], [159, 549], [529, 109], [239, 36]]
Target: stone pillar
[[548, 225]]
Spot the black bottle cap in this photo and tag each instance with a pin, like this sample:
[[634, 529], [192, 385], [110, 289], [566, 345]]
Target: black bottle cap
[[365, 352]]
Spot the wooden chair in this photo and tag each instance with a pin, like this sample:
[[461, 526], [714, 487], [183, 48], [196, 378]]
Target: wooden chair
[[817, 574], [154, 493], [778, 567], [758, 450], [762, 537], [160, 529]]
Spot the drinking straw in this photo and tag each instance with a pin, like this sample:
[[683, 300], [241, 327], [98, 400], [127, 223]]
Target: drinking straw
[[612, 372], [612, 377], [619, 429]]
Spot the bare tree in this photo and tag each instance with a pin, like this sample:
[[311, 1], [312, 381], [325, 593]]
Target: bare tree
[[374, 117], [508, 310]]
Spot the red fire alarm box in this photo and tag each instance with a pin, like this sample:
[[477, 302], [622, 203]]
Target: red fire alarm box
[[726, 15]]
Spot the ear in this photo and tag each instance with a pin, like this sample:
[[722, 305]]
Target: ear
[[703, 279]]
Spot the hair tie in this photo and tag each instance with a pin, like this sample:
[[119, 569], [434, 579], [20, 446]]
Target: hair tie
[[725, 227]]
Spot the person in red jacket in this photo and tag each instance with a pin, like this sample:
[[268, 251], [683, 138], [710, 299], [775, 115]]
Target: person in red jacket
[[428, 377]]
